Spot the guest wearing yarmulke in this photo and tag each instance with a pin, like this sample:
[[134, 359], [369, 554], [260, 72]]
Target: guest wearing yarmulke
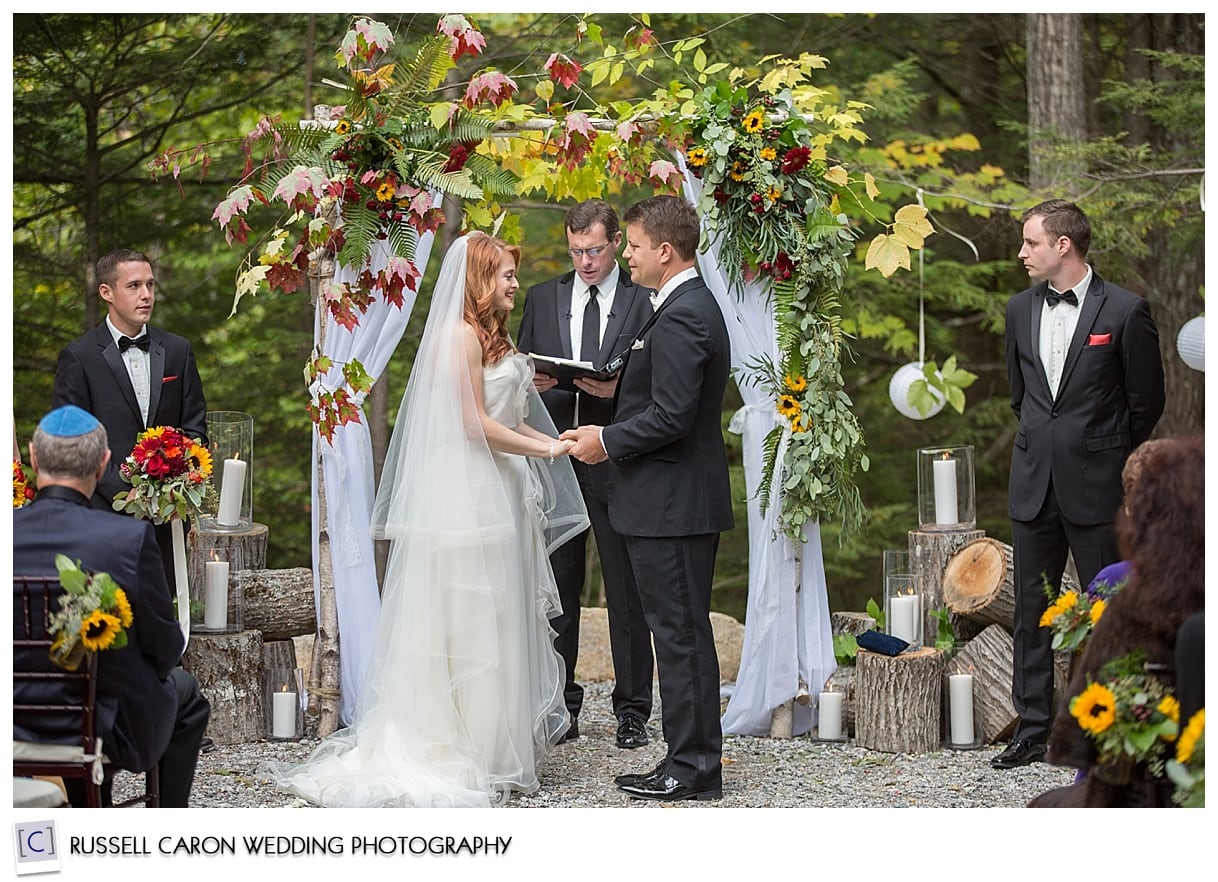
[[130, 375], [149, 710]]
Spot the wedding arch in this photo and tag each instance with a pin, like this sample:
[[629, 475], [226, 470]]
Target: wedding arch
[[362, 184]]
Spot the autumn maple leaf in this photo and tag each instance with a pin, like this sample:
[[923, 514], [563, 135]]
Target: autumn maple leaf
[[491, 86], [563, 70], [466, 38]]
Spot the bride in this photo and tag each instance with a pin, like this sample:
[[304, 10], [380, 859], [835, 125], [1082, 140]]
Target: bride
[[464, 692]]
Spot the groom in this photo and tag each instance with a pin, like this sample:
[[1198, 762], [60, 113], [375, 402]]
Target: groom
[[670, 497]]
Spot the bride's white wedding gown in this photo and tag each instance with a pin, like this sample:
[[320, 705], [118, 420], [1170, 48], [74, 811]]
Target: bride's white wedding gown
[[464, 691]]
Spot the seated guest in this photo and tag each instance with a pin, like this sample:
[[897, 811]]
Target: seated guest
[[1161, 531], [149, 710]]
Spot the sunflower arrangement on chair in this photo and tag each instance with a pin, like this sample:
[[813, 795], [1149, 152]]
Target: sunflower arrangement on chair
[[93, 615]]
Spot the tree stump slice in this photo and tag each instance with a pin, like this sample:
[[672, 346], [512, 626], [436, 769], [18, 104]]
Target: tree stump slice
[[853, 623], [229, 670], [280, 603], [979, 583], [929, 553], [989, 657], [249, 544], [899, 701], [842, 680]]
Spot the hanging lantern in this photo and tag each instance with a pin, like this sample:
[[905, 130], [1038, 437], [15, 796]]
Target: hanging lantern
[[1190, 343], [898, 392]]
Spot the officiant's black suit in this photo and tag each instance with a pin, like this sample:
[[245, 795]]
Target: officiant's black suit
[[545, 328], [1067, 459], [91, 374], [149, 711], [671, 498]]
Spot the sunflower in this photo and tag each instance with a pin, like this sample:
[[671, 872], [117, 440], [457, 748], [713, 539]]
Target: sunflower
[[738, 170], [697, 157], [99, 630], [1189, 738], [1064, 602], [1097, 610], [1094, 708], [795, 384], [385, 191], [773, 193], [788, 406], [753, 122], [394, 143], [123, 607], [344, 126], [200, 459], [1170, 708], [768, 153]]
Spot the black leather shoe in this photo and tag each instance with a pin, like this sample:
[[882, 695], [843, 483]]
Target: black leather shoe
[[207, 745], [631, 732], [621, 780], [666, 788], [1019, 753], [572, 733]]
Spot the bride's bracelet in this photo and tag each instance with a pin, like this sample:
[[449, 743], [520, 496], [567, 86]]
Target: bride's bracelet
[[551, 453]]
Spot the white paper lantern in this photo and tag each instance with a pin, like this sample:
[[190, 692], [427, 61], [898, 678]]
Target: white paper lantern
[[1190, 343], [898, 392]]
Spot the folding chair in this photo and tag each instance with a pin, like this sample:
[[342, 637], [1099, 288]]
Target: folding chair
[[74, 704]]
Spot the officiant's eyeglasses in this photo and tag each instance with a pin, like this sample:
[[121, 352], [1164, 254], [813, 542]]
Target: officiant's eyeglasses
[[594, 253]]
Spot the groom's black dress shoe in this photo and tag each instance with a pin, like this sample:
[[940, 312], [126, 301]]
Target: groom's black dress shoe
[[666, 788], [622, 780], [1019, 753], [630, 732], [572, 733]]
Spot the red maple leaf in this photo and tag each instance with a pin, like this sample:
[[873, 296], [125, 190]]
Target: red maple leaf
[[284, 277], [466, 38], [563, 70], [491, 86]]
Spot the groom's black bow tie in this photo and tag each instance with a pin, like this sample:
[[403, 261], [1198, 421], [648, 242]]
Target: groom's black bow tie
[[1053, 297], [125, 343]]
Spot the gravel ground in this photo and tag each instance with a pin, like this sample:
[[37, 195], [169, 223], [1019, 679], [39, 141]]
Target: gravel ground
[[757, 773]]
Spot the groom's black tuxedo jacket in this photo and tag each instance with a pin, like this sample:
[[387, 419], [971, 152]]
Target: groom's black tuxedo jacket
[[1108, 401], [91, 374]]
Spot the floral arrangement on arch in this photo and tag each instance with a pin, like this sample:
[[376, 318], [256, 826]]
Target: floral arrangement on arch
[[93, 615], [1130, 715], [168, 473], [366, 175], [772, 197], [23, 484]]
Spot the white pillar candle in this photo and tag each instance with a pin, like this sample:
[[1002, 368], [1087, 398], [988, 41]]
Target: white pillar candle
[[960, 690], [283, 715], [945, 491], [215, 595], [232, 492], [829, 721], [904, 612]]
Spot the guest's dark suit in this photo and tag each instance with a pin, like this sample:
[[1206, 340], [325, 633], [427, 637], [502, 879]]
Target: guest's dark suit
[[91, 374], [671, 498], [1065, 486], [546, 329], [148, 710]]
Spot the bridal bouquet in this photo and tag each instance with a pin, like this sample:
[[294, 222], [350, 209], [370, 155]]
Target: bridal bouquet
[[168, 473], [93, 615]]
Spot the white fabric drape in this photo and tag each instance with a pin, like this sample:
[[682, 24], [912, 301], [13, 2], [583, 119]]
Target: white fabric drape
[[348, 473], [787, 635]]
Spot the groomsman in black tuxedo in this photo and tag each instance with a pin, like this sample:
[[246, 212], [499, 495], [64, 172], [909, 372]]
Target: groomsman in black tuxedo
[[1086, 383], [670, 496], [149, 710], [130, 375], [591, 314]]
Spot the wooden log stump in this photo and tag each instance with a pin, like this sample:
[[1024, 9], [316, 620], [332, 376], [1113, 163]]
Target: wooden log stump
[[279, 603], [929, 553], [853, 623], [249, 544], [842, 680], [899, 701], [989, 658], [979, 583], [229, 670]]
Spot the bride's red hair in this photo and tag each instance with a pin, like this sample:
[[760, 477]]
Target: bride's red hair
[[482, 257]]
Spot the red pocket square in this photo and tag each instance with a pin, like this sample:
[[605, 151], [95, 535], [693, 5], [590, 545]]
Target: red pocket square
[[1099, 339], [170, 379]]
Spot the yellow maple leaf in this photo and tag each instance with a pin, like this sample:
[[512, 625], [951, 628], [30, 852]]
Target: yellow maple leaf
[[869, 181], [837, 175], [887, 255], [911, 226]]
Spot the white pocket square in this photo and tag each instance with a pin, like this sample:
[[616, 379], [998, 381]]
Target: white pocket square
[[637, 344]]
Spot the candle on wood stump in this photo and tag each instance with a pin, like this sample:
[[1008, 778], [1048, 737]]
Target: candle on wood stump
[[945, 491], [232, 492], [215, 595], [829, 719], [283, 715], [904, 612], [960, 689]]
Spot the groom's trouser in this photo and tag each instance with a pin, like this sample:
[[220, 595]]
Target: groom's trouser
[[1040, 547], [674, 575]]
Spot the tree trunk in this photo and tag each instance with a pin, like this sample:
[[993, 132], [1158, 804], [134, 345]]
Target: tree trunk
[[900, 701], [1057, 106], [279, 603]]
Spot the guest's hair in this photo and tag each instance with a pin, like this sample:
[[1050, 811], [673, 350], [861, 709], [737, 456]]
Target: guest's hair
[[586, 215], [107, 264], [1135, 463], [1062, 218], [667, 219], [76, 457], [483, 254]]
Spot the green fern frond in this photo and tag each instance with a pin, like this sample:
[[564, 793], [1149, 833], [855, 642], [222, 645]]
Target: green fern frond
[[419, 75], [361, 226], [403, 239], [494, 180], [770, 449], [430, 173]]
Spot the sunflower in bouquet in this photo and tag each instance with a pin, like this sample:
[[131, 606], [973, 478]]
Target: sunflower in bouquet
[[168, 473], [93, 614]]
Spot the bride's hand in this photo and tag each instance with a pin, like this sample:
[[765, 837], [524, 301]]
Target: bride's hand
[[563, 448]]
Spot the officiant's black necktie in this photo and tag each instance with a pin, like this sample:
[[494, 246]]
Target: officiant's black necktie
[[1053, 297], [125, 343], [590, 342]]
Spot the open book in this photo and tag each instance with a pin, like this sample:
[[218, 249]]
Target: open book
[[566, 371]]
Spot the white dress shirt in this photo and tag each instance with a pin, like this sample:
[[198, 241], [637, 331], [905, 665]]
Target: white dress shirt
[[138, 363], [1057, 324]]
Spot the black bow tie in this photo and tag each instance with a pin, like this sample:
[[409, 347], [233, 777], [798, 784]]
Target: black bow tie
[[125, 343], [1053, 297]]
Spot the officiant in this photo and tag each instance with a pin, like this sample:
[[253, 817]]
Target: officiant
[[590, 314]]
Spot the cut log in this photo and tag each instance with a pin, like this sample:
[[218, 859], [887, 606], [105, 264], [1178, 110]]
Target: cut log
[[854, 623], [229, 670], [929, 553], [842, 680], [979, 584], [989, 658], [899, 701], [280, 603], [249, 545]]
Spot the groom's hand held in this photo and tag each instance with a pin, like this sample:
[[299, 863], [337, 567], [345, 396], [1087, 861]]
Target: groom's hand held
[[587, 447]]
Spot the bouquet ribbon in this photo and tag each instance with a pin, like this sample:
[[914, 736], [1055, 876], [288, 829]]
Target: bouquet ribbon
[[178, 535]]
